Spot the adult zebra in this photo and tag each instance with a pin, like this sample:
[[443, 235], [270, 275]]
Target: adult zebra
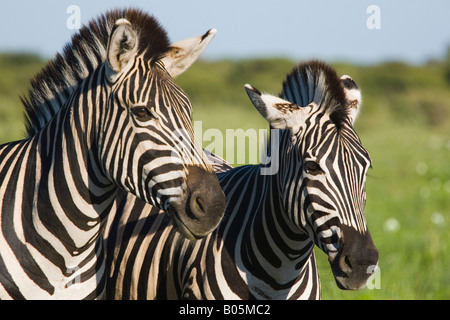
[[263, 249], [104, 115]]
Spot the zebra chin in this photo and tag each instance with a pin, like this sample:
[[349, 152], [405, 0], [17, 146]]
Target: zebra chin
[[200, 210], [355, 261]]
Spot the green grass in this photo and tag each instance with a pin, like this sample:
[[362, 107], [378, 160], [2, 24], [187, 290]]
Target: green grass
[[405, 125], [16, 71]]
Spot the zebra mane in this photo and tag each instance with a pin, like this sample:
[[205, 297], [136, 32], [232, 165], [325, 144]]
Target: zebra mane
[[53, 85], [315, 81]]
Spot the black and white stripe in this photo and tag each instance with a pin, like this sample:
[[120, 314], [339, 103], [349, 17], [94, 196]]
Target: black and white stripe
[[263, 249], [104, 115]]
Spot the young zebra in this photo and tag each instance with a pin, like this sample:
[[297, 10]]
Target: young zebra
[[104, 115], [263, 249]]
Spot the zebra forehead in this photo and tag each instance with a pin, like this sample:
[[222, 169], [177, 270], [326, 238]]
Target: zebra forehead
[[326, 141]]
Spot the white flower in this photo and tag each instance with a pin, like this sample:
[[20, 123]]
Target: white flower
[[437, 218], [391, 225]]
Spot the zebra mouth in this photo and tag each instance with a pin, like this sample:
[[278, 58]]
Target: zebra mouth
[[180, 226]]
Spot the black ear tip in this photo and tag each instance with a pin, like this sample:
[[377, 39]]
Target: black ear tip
[[348, 83], [211, 32], [252, 90]]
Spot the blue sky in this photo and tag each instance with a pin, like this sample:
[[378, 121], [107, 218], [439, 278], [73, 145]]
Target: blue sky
[[410, 31]]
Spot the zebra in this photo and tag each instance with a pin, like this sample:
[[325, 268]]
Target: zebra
[[102, 116], [263, 248]]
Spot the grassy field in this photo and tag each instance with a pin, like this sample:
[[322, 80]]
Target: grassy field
[[405, 125]]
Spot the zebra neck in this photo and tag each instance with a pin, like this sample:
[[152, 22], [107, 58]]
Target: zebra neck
[[55, 198], [272, 255], [71, 187]]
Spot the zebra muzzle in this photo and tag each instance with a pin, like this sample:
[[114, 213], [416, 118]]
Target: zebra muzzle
[[357, 254], [200, 211]]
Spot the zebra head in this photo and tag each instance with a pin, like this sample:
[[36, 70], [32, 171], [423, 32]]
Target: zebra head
[[323, 166], [146, 139]]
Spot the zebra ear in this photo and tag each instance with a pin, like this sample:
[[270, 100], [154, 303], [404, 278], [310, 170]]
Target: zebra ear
[[183, 54], [354, 98], [280, 113], [122, 46]]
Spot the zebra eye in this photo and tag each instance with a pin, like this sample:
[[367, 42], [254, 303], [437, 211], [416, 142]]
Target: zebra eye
[[142, 113], [312, 167]]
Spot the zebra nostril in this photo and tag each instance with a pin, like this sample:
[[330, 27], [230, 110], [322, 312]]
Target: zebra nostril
[[199, 204], [206, 201], [197, 207], [345, 264]]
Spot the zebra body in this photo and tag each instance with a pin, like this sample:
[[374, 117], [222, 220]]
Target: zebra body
[[153, 261], [263, 249], [102, 116]]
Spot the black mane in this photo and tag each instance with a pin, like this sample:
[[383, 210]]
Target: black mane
[[53, 85], [315, 81]]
